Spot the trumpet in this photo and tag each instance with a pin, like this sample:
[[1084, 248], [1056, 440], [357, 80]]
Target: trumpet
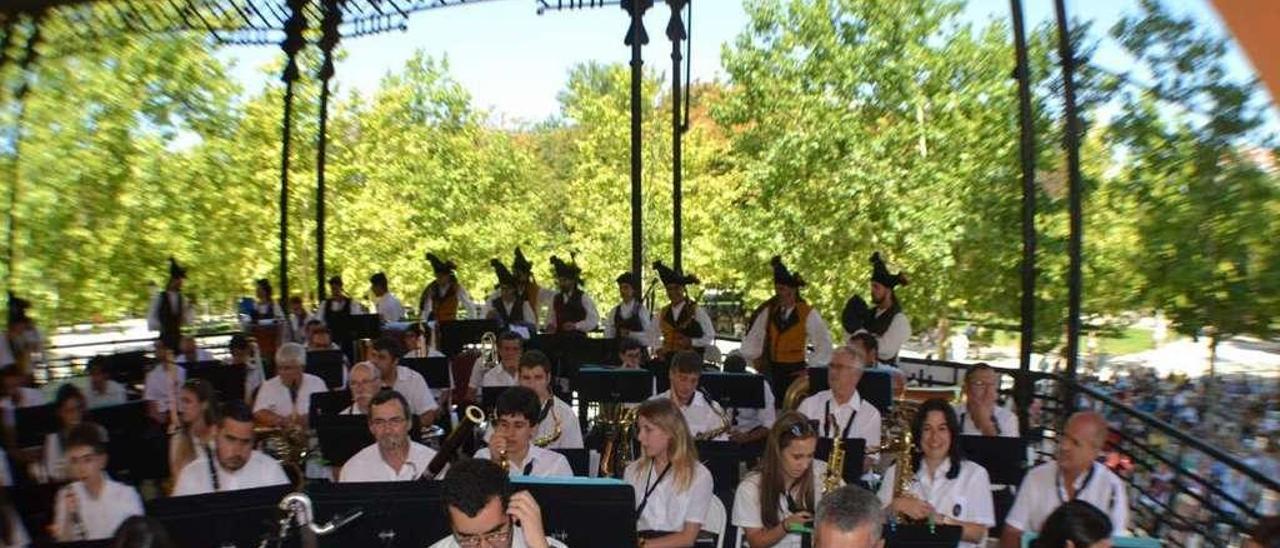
[[502, 460], [78, 531]]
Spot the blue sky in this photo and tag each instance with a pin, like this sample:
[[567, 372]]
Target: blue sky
[[514, 61]]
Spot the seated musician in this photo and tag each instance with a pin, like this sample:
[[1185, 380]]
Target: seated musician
[[629, 319], [507, 372], [69, 405], [783, 328], [235, 464], [102, 391], [553, 413], [285, 400], [788, 474], [484, 512], [320, 337], [673, 490], [980, 415], [161, 384], [409, 383], [509, 307], [840, 410], [946, 488], [242, 358], [418, 344], [705, 418], [365, 382], [848, 516], [571, 310], [299, 320], [393, 456], [512, 439], [681, 324], [94, 505], [189, 352], [1076, 475], [750, 425], [198, 415], [630, 353]]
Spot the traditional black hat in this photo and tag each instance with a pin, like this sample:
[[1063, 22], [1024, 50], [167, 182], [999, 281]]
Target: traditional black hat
[[264, 284], [379, 279], [669, 276], [628, 278], [783, 276], [505, 277], [569, 270], [17, 308], [176, 272], [441, 267], [880, 274], [855, 315], [521, 265], [335, 280]]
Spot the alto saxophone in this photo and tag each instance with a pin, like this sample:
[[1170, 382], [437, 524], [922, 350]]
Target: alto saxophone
[[725, 425], [554, 435], [835, 465], [618, 423]]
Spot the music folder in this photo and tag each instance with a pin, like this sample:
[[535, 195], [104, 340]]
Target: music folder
[[730, 390], [616, 385], [227, 380], [489, 398], [434, 369], [1004, 458], [342, 436], [457, 334], [365, 326], [329, 365], [225, 518]]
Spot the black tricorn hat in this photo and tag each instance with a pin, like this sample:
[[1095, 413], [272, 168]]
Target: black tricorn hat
[[880, 273], [263, 284], [17, 308], [176, 271], [379, 279], [628, 278], [783, 276], [505, 277], [569, 270], [669, 276], [441, 267], [520, 264], [335, 280]]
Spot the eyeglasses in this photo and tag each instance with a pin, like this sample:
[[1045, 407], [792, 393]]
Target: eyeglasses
[[495, 538], [383, 423], [982, 385]]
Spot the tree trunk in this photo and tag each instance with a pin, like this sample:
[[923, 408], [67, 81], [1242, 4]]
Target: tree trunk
[[944, 333], [1213, 354]]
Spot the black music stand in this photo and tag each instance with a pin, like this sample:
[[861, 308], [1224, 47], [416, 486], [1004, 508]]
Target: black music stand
[[584, 511], [579, 459], [34, 423], [903, 535], [597, 384], [577, 351], [722, 459], [489, 398], [875, 386], [734, 390], [329, 403], [403, 513], [127, 368], [434, 370], [126, 426], [365, 326], [342, 436], [227, 380], [1004, 458], [328, 365], [227, 518], [855, 451], [457, 334]]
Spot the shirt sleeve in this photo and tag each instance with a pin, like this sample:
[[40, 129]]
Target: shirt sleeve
[[819, 337], [60, 512], [1119, 510], [980, 508], [153, 313], [275, 474], [753, 343], [187, 483], [571, 432], [609, 331], [551, 325], [592, 320], [428, 399], [561, 468], [645, 336], [885, 492], [769, 414], [708, 329], [464, 299], [746, 506], [425, 311], [264, 401], [1020, 512], [699, 496], [891, 342], [529, 316], [1009, 426]]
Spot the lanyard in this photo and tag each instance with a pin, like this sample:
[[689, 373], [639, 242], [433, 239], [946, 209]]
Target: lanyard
[[649, 489], [1062, 493], [830, 418], [546, 409]]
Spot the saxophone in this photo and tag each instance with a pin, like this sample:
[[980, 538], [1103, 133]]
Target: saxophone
[[725, 425], [835, 465], [618, 423], [554, 435]]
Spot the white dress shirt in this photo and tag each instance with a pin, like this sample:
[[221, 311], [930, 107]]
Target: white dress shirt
[[747, 419], [1006, 422], [389, 307], [700, 315], [158, 388], [629, 310], [587, 324], [498, 376], [112, 394], [202, 355], [323, 313], [668, 510], [102, 515], [274, 396], [746, 504], [570, 430], [816, 334], [413, 387], [866, 423], [538, 461], [701, 415], [517, 540], [966, 498], [891, 341], [368, 465], [259, 471], [1042, 492]]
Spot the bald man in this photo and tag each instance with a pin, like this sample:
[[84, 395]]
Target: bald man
[[1076, 474]]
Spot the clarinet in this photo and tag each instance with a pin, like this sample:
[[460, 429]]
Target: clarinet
[[78, 531]]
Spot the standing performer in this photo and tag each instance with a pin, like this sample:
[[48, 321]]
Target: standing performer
[[265, 309], [886, 321], [527, 286], [336, 311], [444, 296], [385, 302], [572, 310], [682, 324], [170, 310], [509, 307], [783, 328], [23, 339], [630, 318]]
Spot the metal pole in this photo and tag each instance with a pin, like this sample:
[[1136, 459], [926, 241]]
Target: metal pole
[[1027, 148], [636, 38], [292, 43], [328, 41], [1071, 140], [676, 32]]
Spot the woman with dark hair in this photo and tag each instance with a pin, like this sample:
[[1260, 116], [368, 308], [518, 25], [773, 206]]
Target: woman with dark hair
[[946, 489], [1075, 524], [789, 475], [142, 532], [69, 404], [198, 415]]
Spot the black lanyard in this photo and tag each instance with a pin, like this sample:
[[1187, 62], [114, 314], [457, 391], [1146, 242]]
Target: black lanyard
[[213, 470], [792, 506], [546, 409], [1062, 492], [528, 468], [995, 422], [828, 418], [649, 489]]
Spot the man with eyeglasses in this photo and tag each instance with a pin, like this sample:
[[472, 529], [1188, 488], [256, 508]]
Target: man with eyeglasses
[[393, 456], [840, 411], [483, 511], [979, 415], [365, 380]]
